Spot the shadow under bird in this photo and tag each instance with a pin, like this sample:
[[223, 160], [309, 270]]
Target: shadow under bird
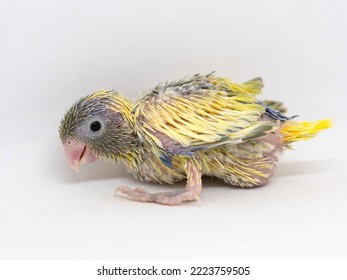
[[198, 125]]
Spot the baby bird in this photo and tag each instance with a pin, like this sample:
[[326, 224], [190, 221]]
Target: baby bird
[[198, 125]]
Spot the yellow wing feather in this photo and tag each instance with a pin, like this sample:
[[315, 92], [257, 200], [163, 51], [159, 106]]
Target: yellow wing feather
[[208, 115]]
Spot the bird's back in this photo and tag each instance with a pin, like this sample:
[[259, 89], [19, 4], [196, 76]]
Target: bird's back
[[200, 112]]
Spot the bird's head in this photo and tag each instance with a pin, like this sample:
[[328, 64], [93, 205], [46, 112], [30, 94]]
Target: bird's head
[[95, 126]]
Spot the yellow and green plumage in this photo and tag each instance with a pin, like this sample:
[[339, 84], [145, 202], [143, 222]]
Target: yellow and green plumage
[[199, 125]]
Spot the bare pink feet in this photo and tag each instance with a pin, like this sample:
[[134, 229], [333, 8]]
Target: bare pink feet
[[167, 198], [190, 193]]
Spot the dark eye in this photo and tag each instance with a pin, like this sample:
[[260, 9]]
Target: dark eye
[[95, 126]]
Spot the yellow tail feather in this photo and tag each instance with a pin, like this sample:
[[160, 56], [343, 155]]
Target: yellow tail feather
[[295, 131]]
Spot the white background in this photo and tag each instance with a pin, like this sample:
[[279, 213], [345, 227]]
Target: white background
[[53, 52]]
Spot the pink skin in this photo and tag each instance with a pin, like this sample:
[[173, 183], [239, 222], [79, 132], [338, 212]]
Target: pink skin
[[77, 153], [190, 193]]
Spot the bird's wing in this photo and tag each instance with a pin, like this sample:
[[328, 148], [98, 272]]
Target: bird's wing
[[200, 112]]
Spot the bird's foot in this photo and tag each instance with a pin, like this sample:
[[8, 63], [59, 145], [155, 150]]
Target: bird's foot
[[167, 198]]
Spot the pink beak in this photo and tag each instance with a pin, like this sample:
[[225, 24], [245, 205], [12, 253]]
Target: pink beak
[[77, 153]]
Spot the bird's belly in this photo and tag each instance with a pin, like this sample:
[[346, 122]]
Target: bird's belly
[[247, 164], [151, 169]]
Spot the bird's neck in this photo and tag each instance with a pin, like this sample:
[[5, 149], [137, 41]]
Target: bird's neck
[[129, 153], [125, 106], [127, 157]]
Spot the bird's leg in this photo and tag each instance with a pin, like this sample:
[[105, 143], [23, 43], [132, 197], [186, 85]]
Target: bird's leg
[[190, 193]]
